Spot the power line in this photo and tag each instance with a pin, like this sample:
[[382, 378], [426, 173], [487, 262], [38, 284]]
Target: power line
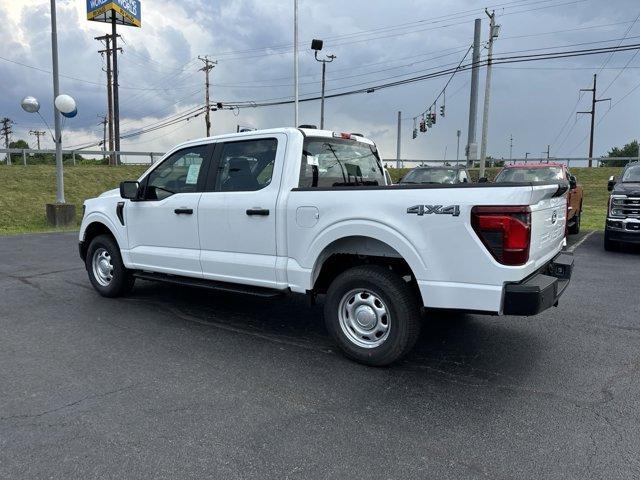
[[600, 120], [38, 134], [621, 40], [442, 92], [184, 116]]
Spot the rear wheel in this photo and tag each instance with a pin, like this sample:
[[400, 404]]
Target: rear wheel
[[575, 227], [107, 273], [372, 314]]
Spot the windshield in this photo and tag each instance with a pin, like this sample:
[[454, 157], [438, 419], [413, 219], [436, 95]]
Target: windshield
[[431, 175], [631, 174], [540, 174], [334, 162]]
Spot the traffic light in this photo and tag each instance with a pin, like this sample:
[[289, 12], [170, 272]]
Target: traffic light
[[429, 120], [433, 118], [423, 127], [415, 133], [442, 110]]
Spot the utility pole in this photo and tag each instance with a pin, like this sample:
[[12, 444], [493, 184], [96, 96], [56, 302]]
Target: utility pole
[[38, 134], [6, 131], [316, 46], [208, 66], [548, 152], [458, 133], [592, 112], [511, 147], [472, 146], [104, 123], [110, 90], [56, 114], [296, 92], [399, 140], [116, 95], [493, 34]]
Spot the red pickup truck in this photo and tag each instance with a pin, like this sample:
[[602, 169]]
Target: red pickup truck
[[544, 172]]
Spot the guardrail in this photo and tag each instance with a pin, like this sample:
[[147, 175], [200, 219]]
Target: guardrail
[[150, 157], [570, 162], [25, 153]]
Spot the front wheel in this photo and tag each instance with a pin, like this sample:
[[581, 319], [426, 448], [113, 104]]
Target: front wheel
[[107, 273], [610, 245], [372, 314]]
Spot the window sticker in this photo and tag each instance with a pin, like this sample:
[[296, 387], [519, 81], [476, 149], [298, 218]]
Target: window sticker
[[192, 174]]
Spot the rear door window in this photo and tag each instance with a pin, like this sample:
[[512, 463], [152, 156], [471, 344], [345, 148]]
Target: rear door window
[[334, 162]]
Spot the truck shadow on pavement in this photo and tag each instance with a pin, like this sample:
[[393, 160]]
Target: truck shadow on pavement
[[467, 348]]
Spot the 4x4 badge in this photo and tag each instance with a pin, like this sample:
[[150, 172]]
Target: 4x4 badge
[[437, 209]]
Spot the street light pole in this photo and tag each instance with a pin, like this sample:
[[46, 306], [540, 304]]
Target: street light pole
[[316, 45], [56, 113], [295, 60]]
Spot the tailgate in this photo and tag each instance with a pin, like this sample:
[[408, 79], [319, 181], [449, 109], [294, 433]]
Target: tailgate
[[548, 223]]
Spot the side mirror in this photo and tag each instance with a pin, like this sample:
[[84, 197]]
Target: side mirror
[[483, 180], [129, 190], [573, 182], [611, 183]]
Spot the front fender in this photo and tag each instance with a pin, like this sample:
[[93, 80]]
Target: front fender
[[118, 231]]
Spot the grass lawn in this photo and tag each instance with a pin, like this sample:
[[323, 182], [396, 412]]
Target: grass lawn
[[24, 191]]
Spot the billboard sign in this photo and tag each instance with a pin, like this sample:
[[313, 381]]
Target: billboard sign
[[125, 12]]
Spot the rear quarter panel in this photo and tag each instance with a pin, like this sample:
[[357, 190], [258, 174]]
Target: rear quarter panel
[[440, 249]]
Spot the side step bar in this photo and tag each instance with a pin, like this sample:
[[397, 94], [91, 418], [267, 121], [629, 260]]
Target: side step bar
[[210, 284]]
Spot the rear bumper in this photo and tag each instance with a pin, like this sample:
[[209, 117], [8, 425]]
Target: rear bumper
[[541, 290]]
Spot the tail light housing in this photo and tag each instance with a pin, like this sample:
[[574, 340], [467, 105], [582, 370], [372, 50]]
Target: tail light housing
[[505, 231]]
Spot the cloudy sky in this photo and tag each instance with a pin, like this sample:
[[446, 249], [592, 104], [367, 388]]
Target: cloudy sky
[[375, 42]]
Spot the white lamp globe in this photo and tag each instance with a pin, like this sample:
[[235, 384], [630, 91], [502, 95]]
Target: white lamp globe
[[65, 103]]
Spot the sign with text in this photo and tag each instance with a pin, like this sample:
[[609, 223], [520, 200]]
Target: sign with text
[[125, 12]]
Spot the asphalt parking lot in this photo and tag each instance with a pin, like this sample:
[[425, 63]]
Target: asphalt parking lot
[[184, 383]]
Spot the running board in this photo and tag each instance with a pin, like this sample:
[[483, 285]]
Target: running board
[[210, 284]]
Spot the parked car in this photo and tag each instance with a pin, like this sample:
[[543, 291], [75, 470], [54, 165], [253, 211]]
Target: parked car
[[545, 172], [623, 213], [430, 174], [307, 211]]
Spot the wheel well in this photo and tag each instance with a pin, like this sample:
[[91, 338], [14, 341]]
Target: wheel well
[[350, 252], [93, 230]]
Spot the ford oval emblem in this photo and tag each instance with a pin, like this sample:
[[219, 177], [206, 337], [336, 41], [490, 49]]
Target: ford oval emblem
[[554, 217]]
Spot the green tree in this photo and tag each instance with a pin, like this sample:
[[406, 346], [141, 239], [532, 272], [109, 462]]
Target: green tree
[[614, 155]]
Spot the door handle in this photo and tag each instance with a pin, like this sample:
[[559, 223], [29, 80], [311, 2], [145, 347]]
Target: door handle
[[185, 211], [258, 211]]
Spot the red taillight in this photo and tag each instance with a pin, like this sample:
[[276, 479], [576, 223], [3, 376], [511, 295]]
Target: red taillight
[[346, 136], [505, 231]]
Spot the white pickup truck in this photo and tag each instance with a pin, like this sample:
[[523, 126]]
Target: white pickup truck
[[309, 211]]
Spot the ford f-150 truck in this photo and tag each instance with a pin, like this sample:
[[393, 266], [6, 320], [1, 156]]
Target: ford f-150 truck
[[308, 211]]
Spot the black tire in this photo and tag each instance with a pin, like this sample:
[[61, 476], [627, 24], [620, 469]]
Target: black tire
[[574, 228], [121, 281], [610, 245], [397, 297]]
